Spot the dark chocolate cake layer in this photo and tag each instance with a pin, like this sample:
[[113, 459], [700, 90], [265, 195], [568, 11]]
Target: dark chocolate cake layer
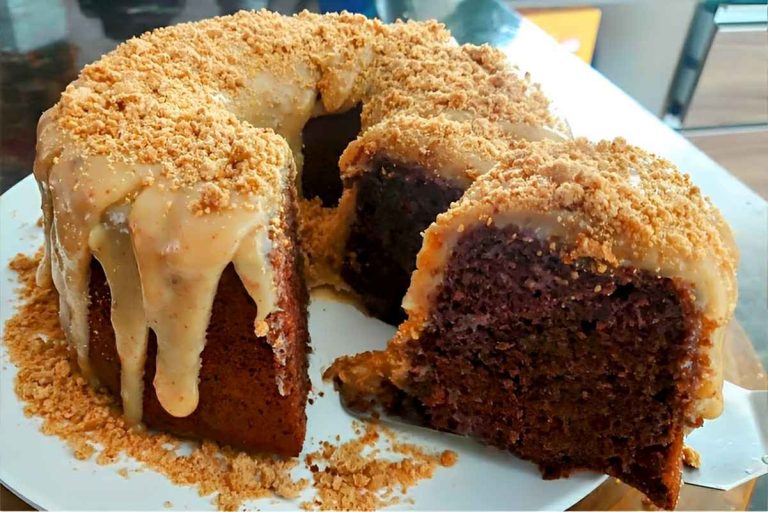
[[559, 364], [395, 204]]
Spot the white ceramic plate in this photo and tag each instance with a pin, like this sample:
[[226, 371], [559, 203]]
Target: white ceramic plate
[[42, 470]]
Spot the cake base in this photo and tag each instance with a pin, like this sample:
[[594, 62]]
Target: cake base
[[240, 404]]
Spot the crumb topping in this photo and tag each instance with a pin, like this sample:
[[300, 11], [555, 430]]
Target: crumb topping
[[475, 81], [619, 192], [455, 150], [166, 97]]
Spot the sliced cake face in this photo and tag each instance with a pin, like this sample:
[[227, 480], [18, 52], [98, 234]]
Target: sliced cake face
[[569, 308], [610, 203], [560, 363], [394, 204], [402, 173]]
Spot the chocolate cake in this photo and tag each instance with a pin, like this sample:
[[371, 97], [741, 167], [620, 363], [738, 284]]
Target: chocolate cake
[[186, 175], [195, 179], [402, 173], [570, 309], [395, 204]]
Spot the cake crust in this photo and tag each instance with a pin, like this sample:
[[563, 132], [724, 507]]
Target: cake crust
[[253, 388]]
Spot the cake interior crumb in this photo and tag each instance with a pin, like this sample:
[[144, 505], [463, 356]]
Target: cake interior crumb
[[322, 236]]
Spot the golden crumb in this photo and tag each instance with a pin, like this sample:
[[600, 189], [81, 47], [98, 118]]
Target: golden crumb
[[181, 99], [448, 458], [51, 388], [648, 504], [322, 237], [356, 475], [212, 197], [167, 504], [691, 457]]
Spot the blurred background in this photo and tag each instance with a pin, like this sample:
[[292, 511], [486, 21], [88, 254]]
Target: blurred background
[[700, 66]]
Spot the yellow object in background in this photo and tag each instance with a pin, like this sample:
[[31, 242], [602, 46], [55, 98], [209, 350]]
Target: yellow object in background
[[575, 29]]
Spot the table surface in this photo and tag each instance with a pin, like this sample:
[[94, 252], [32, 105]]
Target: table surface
[[72, 33]]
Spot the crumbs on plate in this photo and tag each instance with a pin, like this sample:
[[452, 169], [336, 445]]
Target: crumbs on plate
[[358, 475], [351, 475]]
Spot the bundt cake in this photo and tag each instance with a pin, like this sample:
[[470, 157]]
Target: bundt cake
[[179, 170], [569, 308], [197, 178]]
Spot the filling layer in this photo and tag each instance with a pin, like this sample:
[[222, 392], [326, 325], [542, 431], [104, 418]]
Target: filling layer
[[561, 364], [395, 204]]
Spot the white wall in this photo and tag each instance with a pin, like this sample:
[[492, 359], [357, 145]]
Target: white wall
[[639, 45], [639, 42]]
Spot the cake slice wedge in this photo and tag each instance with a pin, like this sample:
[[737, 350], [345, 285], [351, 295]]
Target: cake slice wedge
[[569, 308], [401, 173]]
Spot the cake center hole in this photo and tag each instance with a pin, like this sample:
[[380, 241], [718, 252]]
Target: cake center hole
[[325, 139]]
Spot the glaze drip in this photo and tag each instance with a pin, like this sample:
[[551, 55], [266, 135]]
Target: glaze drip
[[110, 242], [161, 255]]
